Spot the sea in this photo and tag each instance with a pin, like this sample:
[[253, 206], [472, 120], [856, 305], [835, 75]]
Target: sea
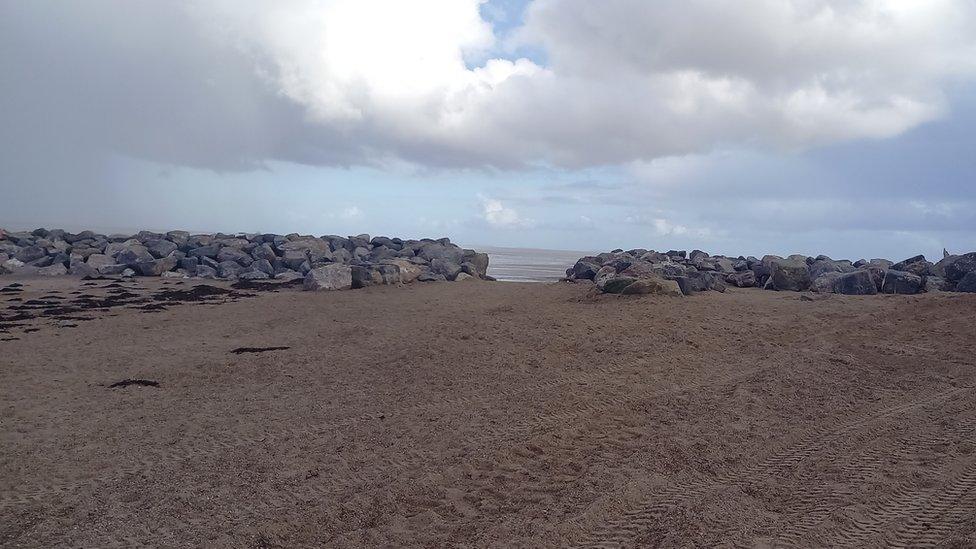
[[529, 264]]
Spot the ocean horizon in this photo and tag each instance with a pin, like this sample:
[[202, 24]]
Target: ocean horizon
[[529, 264]]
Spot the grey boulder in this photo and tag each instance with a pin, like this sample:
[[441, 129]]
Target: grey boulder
[[329, 277], [968, 283], [959, 267], [161, 248], [30, 253], [653, 286], [855, 283], [56, 269], [229, 269], [790, 275], [235, 255], [901, 282], [743, 279]]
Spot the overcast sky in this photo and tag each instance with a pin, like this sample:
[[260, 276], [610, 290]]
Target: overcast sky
[[746, 126]]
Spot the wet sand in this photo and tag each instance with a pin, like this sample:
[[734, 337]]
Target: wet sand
[[483, 415]]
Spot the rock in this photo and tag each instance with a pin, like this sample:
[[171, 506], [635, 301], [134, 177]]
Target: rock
[[618, 284], [379, 241], [876, 272], [43, 262], [654, 286], [82, 269], [97, 260], [479, 261], [229, 269], [379, 253], [342, 255], [305, 244], [386, 274], [288, 276], [435, 250], [235, 255], [790, 275], [293, 259], [915, 265], [113, 269], [824, 284], [968, 283], [855, 283], [263, 266], [11, 266], [461, 277], [178, 237], [56, 269], [190, 264], [205, 271], [264, 251], [360, 253], [698, 281], [823, 266], [671, 270], [428, 276], [959, 267], [156, 267], [210, 251], [603, 275], [409, 272], [359, 241], [721, 264], [637, 269], [329, 277], [254, 275], [744, 279], [934, 284], [161, 248], [901, 282], [939, 269], [445, 267], [133, 255], [30, 253], [374, 275]]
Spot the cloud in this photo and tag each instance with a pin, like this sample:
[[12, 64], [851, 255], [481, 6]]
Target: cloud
[[500, 216], [352, 212], [229, 85]]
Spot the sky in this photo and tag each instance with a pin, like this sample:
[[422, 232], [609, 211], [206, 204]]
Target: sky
[[842, 127]]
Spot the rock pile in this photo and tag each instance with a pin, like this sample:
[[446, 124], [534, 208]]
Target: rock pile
[[647, 271], [326, 263]]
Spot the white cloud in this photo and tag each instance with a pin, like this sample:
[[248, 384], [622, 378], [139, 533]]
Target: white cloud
[[627, 80], [352, 212], [345, 82], [498, 215]]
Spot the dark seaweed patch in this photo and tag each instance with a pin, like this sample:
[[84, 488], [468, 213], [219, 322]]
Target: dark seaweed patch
[[200, 292], [265, 286], [141, 382], [242, 350]]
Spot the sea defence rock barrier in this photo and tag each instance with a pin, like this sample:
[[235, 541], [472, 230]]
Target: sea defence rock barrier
[[675, 272], [324, 263]]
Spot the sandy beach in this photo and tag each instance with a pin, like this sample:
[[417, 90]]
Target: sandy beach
[[482, 414]]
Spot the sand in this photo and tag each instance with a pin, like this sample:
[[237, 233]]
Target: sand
[[487, 415]]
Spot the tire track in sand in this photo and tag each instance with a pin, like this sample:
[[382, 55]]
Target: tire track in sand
[[818, 503], [621, 531]]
